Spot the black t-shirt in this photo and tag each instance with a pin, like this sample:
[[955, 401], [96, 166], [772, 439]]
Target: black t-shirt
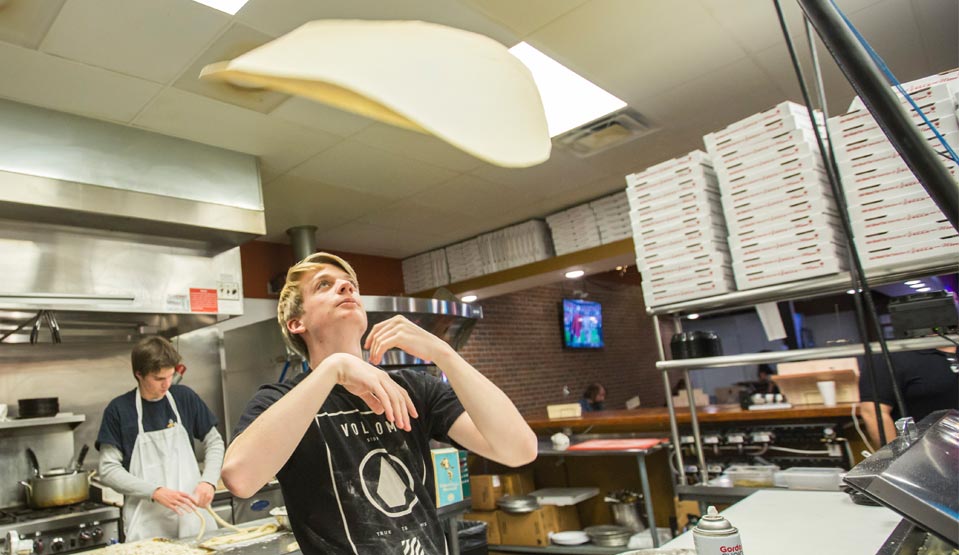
[[924, 377], [119, 426], [358, 484]]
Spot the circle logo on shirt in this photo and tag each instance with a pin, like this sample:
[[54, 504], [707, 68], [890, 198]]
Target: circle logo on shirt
[[387, 483]]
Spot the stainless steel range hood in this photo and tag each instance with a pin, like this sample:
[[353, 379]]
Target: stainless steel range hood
[[116, 230]]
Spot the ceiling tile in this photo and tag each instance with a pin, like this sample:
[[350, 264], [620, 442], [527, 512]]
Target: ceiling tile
[[144, 38], [363, 168], [586, 193], [659, 147], [418, 146], [237, 40], [468, 194], [365, 238], [637, 49], [409, 215], [320, 116], [293, 200], [279, 145], [755, 24], [44, 80], [561, 172], [939, 22], [282, 16], [524, 17], [26, 23]]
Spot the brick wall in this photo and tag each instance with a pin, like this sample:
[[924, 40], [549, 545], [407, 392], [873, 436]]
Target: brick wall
[[518, 345]]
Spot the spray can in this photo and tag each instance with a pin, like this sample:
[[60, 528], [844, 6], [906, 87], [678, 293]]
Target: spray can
[[714, 535]]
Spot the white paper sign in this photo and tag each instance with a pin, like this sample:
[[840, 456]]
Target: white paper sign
[[772, 322]]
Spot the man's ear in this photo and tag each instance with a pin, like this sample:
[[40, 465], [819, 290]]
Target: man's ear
[[295, 326]]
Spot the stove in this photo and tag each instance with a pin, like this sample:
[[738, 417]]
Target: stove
[[68, 529]]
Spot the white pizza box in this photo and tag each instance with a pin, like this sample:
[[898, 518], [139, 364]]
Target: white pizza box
[[941, 108], [883, 156], [716, 147], [774, 275], [922, 232], [787, 227], [681, 278], [665, 169], [681, 250], [675, 203], [706, 286], [762, 158], [703, 180], [894, 255], [943, 79], [944, 125], [750, 149], [686, 264], [760, 175], [636, 182], [609, 201], [781, 112], [697, 215], [877, 142], [763, 220], [890, 212], [907, 184], [765, 245], [612, 236], [774, 200], [786, 257], [654, 238], [810, 176]]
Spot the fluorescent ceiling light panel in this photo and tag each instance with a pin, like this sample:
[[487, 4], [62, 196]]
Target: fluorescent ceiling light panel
[[225, 6], [573, 274], [918, 285], [569, 99], [468, 298]]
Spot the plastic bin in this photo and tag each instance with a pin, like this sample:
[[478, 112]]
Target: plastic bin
[[823, 479], [757, 476], [472, 537]]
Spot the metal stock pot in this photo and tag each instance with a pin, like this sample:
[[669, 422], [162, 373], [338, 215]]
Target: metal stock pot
[[58, 489]]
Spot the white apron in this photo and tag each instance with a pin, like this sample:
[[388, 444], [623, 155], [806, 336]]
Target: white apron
[[164, 457]]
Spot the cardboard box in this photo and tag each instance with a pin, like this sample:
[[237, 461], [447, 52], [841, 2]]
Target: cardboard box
[[485, 489], [518, 483], [748, 150], [533, 529], [884, 257], [491, 518], [564, 410], [801, 388], [447, 481]]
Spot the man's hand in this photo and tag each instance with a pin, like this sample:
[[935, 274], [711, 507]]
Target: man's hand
[[400, 333], [203, 494], [375, 387], [177, 501]]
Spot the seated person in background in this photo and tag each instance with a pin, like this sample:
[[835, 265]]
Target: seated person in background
[[928, 380], [593, 397], [764, 383]]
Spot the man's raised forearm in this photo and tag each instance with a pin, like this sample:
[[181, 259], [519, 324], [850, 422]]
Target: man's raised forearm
[[256, 455], [495, 416]]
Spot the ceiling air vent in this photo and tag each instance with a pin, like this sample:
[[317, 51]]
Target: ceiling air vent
[[604, 133]]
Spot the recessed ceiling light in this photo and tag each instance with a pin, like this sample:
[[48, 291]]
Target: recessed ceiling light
[[851, 292], [693, 316], [468, 298], [573, 274], [917, 285], [225, 6], [568, 98], [913, 281], [924, 289]]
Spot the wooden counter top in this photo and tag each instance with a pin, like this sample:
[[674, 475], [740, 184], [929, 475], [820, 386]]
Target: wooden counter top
[[655, 419]]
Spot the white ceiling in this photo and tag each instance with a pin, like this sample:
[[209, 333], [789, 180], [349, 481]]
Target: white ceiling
[[690, 67]]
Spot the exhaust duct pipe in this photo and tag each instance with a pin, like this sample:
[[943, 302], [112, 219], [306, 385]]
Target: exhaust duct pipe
[[303, 241]]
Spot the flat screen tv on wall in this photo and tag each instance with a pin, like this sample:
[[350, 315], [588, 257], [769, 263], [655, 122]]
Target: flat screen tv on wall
[[582, 324]]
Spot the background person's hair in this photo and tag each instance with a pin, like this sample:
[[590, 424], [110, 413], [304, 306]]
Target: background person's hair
[[152, 354], [592, 390], [291, 297]]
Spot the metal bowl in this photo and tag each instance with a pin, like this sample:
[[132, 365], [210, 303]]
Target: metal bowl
[[279, 513], [517, 504], [608, 535]]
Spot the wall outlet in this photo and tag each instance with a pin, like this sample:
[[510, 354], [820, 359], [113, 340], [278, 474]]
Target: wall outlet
[[228, 291]]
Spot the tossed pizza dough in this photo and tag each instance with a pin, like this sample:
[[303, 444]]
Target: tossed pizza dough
[[463, 87]]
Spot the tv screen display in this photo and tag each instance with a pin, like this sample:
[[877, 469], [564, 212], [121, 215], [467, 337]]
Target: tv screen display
[[582, 324]]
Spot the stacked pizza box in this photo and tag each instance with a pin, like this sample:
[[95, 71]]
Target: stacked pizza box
[[515, 245], [678, 230], [612, 218], [574, 229], [464, 260], [425, 271], [893, 218], [782, 218]]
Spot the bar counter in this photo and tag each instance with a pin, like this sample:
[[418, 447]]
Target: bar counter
[[657, 419]]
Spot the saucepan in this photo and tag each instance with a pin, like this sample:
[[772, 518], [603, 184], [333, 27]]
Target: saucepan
[[57, 488]]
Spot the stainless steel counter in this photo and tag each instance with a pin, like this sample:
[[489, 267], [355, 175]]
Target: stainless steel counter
[[274, 546]]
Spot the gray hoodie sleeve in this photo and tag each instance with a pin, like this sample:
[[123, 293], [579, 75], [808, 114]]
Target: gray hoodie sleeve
[[213, 450], [113, 474]]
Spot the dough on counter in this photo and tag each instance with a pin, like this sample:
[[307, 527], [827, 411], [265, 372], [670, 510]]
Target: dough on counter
[[155, 546], [463, 87], [245, 535]]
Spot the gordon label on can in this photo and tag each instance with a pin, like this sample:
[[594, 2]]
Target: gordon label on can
[[714, 535]]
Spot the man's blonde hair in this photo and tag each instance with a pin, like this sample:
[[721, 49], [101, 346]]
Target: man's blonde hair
[[291, 297]]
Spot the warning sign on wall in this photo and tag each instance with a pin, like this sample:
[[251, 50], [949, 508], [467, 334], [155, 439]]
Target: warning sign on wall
[[203, 300]]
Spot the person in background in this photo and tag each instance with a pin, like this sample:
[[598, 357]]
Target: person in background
[[146, 449], [348, 441], [764, 383], [593, 397], [928, 380]]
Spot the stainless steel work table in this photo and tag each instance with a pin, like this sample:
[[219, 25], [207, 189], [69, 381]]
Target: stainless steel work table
[[546, 450]]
